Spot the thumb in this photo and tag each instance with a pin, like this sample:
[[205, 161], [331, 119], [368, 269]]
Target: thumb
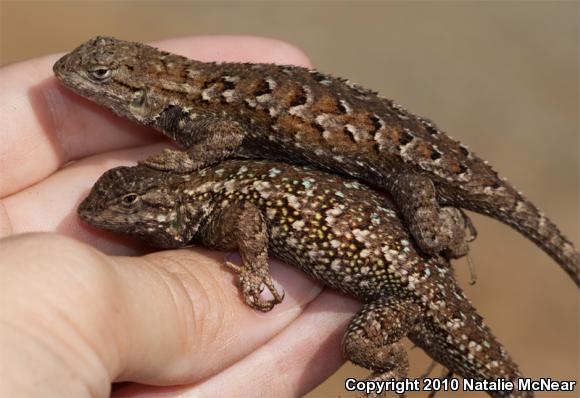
[[73, 320]]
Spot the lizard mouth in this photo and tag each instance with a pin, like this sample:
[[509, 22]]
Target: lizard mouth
[[62, 68], [85, 212]]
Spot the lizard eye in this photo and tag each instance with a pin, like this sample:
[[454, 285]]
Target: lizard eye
[[101, 73], [129, 199]]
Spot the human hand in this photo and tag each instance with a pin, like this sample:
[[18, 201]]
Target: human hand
[[75, 319]]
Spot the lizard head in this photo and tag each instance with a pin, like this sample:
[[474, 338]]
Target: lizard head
[[141, 202], [116, 74]]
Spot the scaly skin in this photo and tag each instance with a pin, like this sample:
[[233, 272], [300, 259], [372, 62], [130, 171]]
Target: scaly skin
[[337, 231], [302, 116]]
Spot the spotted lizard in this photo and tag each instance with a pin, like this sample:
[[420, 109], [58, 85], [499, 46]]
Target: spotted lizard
[[336, 230]]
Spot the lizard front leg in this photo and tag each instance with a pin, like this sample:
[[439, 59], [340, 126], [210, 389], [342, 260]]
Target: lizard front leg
[[242, 226], [436, 229], [372, 339], [206, 139]]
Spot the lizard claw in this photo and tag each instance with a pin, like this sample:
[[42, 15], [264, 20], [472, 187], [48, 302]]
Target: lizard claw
[[429, 369], [469, 227], [233, 267], [254, 299], [252, 285], [472, 274]]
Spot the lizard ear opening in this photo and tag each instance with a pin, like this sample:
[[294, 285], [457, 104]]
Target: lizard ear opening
[[138, 100]]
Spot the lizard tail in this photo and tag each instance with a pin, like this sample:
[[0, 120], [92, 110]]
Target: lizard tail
[[456, 336], [507, 205]]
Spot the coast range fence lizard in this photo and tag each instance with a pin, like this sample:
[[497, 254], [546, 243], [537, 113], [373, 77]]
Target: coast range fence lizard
[[289, 113], [336, 230]]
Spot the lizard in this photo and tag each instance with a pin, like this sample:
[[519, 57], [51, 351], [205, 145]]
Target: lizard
[[294, 114], [336, 230]]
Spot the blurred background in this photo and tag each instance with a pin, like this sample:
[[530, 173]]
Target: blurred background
[[500, 76]]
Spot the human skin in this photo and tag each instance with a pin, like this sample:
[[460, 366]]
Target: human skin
[[82, 309]]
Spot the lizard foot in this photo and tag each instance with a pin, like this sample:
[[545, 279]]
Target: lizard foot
[[381, 378], [437, 230], [457, 231], [372, 340], [469, 227], [171, 160], [252, 283]]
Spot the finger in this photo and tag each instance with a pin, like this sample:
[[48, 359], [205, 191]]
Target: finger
[[298, 359], [50, 205], [168, 318], [44, 125]]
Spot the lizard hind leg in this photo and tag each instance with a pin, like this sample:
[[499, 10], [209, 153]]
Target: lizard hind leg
[[436, 229], [372, 339]]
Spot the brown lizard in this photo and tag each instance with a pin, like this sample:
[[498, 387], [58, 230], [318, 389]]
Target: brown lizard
[[338, 231], [289, 113]]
